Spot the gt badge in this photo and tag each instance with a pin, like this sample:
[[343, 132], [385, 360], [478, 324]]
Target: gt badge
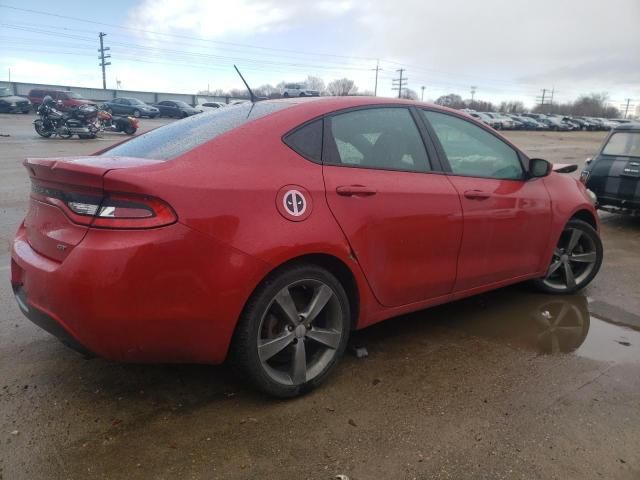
[[294, 203]]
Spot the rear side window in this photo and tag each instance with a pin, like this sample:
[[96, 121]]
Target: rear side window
[[376, 138], [623, 144], [183, 135], [307, 141]]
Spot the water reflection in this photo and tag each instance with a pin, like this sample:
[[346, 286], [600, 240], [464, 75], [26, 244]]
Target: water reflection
[[545, 323], [549, 324]]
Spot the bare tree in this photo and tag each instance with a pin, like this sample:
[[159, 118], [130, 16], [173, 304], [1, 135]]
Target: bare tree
[[592, 105], [514, 106], [315, 83], [452, 101], [266, 90], [409, 94], [480, 105], [342, 87]]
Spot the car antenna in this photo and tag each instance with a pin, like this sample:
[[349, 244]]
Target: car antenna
[[254, 97]]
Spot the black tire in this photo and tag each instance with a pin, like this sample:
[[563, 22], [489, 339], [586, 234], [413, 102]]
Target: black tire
[[259, 316], [40, 130], [184, 115], [285, 94], [136, 113], [556, 280]]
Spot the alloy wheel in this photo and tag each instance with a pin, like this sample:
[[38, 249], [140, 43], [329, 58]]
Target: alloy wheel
[[574, 259], [300, 332]]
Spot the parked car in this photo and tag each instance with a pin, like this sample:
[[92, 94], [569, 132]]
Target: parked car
[[504, 123], [175, 108], [298, 90], [211, 105], [10, 103], [529, 123], [241, 233], [614, 173], [130, 106], [556, 124], [65, 99], [578, 122], [486, 119]]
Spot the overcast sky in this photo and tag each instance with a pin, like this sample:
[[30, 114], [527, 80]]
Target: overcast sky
[[508, 49]]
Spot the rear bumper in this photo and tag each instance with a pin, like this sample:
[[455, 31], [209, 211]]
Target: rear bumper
[[47, 322], [162, 295]]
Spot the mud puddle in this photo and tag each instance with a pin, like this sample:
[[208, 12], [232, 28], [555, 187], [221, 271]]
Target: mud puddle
[[548, 324]]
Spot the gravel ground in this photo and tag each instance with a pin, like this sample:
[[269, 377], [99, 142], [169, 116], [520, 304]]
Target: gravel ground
[[474, 389]]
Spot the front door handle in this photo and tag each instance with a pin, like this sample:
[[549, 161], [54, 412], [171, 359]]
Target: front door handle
[[476, 195], [355, 191]]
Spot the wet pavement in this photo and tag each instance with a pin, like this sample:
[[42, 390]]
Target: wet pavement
[[509, 384]]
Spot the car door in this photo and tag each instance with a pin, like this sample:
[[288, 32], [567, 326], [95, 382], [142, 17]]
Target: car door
[[116, 106], [402, 220], [507, 216]]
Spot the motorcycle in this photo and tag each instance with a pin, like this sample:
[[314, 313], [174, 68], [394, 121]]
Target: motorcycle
[[81, 121], [109, 123]]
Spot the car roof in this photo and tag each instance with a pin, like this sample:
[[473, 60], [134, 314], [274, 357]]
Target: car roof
[[628, 126], [324, 105]]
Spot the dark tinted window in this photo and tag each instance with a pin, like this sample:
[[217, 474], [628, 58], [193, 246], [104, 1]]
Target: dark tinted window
[[179, 137], [380, 138], [472, 150], [307, 141]]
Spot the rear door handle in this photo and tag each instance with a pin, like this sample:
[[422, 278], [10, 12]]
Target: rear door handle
[[476, 195], [355, 191]]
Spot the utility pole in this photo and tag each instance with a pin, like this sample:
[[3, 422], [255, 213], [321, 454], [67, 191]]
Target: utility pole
[[627, 107], [399, 83], [473, 92], [422, 94], [377, 69], [102, 59]]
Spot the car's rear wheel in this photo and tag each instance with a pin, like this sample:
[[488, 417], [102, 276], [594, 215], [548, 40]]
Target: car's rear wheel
[[293, 331], [575, 260]]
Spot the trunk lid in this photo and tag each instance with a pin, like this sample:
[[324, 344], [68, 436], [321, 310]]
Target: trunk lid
[[52, 229]]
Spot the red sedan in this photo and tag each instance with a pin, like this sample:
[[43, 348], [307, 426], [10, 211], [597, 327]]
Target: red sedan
[[267, 232]]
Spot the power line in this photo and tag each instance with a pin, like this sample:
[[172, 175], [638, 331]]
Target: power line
[[138, 30]]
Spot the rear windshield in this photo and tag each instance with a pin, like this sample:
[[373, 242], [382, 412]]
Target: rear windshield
[[183, 135], [623, 144]]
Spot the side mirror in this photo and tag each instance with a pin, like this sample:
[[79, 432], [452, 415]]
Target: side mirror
[[539, 167]]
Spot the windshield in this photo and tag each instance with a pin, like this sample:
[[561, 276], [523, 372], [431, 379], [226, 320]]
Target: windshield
[[623, 144], [4, 92], [73, 95], [135, 101], [177, 138], [182, 104]]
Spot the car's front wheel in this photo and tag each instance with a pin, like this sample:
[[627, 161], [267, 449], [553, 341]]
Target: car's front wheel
[[575, 260], [136, 113], [293, 331]]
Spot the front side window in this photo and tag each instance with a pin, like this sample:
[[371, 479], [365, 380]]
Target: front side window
[[623, 144], [472, 151], [378, 138]]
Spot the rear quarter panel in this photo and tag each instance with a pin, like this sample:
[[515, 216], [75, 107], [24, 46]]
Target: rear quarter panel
[[228, 189]]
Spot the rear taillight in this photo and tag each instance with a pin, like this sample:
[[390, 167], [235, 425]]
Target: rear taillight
[[111, 210]]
